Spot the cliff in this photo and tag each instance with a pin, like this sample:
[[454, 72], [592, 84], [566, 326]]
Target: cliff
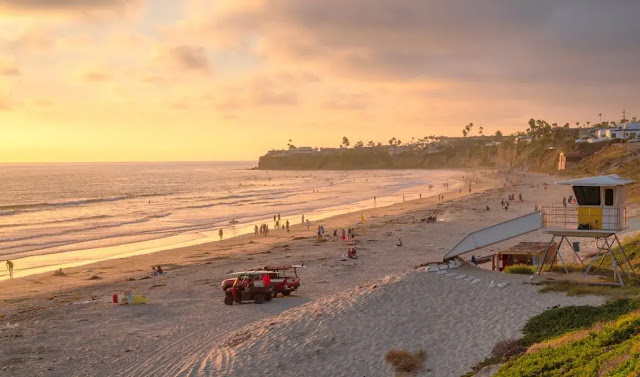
[[463, 156]]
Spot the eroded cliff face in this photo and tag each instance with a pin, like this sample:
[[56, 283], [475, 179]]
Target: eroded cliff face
[[497, 156]]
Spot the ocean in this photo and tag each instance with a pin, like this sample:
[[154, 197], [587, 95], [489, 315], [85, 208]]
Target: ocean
[[64, 215]]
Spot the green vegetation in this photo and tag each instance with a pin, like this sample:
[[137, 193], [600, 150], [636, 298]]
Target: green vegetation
[[523, 269], [405, 362], [557, 321], [612, 349]]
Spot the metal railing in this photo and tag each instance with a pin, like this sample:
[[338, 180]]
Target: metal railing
[[573, 217]]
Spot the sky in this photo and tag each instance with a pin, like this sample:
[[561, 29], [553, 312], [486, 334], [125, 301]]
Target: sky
[[169, 80]]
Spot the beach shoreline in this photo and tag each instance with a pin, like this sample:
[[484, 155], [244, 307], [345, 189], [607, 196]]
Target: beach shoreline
[[187, 318], [86, 252]]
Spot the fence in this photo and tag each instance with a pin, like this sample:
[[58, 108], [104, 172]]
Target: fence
[[585, 218]]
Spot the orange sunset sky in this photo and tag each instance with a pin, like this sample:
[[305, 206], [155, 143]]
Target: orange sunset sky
[[136, 80]]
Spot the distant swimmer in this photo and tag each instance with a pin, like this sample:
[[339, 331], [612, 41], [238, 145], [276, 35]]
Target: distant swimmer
[[374, 199], [220, 233], [10, 268]]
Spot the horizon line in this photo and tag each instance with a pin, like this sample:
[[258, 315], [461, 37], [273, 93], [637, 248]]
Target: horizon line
[[120, 162]]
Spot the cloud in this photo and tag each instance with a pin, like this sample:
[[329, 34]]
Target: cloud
[[185, 58], [567, 41], [33, 38], [94, 74], [57, 8], [9, 68], [338, 100]]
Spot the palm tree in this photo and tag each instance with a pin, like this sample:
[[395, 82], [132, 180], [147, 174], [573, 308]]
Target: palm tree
[[480, 130], [600, 115], [371, 144], [345, 142]]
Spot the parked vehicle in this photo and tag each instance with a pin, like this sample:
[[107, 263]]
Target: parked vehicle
[[285, 282], [253, 286]]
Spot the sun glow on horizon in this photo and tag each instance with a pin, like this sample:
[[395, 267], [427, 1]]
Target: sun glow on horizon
[[197, 81]]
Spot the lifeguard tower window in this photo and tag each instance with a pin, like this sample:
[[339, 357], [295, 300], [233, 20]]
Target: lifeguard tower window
[[608, 197], [588, 195]]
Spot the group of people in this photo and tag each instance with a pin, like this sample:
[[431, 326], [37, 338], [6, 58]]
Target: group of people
[[262, 231], [565, 201], [157, 270], [513, 197], [345, 236], [505, 203]]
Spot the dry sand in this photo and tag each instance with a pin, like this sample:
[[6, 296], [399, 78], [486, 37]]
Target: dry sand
[[335, 325]]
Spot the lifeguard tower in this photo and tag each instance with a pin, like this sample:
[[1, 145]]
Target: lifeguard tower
[[599, 211]]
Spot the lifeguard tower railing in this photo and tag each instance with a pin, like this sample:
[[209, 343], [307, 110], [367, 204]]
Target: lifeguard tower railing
[[573, 217]]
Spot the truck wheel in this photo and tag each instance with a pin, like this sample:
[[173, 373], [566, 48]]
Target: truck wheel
[[286, 293], [268, 296], [258, 298], [228, 300]]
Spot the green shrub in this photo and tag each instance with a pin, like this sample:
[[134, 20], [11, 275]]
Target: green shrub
[[523, 269], [557, 321]]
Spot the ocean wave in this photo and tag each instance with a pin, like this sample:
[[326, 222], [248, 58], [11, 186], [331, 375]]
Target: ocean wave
[[13, 209], [83, 229], [60, 221]]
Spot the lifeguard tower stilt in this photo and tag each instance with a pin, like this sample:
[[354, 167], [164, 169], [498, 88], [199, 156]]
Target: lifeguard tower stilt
[[599, 213]]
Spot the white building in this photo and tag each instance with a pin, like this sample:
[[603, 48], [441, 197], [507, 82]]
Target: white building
[[624, 131]]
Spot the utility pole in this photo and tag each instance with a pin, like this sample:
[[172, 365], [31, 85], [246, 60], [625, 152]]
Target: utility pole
[[624, 123]]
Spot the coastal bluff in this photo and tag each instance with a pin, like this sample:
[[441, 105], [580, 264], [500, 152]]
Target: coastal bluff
[[386, 157]]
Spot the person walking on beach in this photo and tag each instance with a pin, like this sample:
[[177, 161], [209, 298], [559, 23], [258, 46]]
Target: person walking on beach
[[335, 235], [286, 224], [220, 233], [564, 202], [343, 236], [278, 217], [302, 219], [308, 224], [274, 218], [10, 268], [255, 230], [374, 199]]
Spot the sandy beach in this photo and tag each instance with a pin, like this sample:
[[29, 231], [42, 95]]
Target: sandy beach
[[340, 323]]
